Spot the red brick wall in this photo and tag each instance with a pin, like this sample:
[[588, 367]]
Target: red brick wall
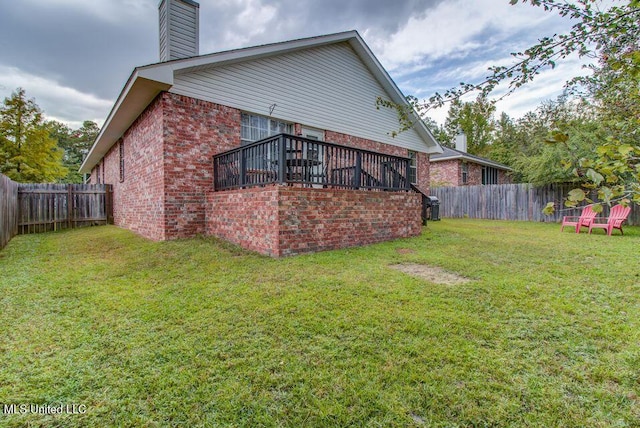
[[97, 175], [424, 173], [282, 221], [503, 178], [246, 217], [446, 173], [475, 174], [194, 131], [139, 199], [168, 165], [449, 173]]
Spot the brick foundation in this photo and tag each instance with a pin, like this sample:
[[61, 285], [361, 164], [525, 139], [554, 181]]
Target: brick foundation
[[282, 221]]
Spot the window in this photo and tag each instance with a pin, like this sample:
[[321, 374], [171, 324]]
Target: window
[[489, 175], [254, 128], [121, 150], [413, 167], [465, 173], [97, 174]]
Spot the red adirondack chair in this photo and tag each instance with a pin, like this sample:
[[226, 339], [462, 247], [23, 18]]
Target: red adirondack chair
[[617, 216], [585, 219]]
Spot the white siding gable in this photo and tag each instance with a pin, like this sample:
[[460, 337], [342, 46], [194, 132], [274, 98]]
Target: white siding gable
[[326, 87]]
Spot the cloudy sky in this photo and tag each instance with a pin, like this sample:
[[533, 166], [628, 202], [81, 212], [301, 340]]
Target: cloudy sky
[[74, 56]]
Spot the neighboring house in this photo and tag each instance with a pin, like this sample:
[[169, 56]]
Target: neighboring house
[[288, 132], [456, 167]]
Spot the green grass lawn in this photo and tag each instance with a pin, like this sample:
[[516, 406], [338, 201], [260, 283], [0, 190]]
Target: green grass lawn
[[199, 333]]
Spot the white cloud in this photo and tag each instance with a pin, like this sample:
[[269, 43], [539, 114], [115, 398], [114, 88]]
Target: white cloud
[[252, 20], [58, 102], [456, 42], [548, 85], [454, 28]]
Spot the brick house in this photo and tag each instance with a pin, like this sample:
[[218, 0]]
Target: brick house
[[278, 148], [456, 167]]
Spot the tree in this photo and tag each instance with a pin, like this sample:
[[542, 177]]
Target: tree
[[615, 29], [76, 145], [613, 92], [475, 119], [508, 142], [540, 162], [27, 151], [438, 131], [612, 35]]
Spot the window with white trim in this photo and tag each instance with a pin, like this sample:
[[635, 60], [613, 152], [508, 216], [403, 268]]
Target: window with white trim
[[413, 167], [465, 173], [255, 127]]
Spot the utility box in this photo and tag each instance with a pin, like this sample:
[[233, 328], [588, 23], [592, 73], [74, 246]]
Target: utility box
[[433, 203]]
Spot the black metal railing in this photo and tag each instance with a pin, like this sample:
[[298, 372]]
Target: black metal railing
[[288, 159]]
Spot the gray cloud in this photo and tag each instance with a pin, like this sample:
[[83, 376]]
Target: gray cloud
[[296, 19], [381, 15], [74, 56], [95, 53], [73, 47]]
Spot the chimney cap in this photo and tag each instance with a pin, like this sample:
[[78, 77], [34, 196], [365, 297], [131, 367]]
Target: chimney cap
[[190, 2]]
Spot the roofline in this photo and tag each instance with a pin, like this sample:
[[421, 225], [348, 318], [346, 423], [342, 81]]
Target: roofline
[[147, 81], [472, 158], [123, 113]]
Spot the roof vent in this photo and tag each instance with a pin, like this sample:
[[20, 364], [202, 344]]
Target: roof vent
[[179, 29]]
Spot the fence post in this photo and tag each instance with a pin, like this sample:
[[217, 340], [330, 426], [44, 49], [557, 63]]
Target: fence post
[[69, 207]]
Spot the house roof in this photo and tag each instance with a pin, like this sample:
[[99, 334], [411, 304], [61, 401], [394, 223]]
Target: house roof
[[146, 82], [450, 154]]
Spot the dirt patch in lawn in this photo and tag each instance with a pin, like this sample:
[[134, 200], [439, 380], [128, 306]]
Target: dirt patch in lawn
[[431, 273], [405, 251]]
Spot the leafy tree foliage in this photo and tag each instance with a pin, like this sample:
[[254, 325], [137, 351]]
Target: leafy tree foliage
[[508, 140], [524, 144], [614, 29], [475, 119], [27, 151], [76, 145], [438, 131], [613, 92], [601, 152]]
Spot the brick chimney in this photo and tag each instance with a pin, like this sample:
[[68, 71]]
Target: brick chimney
[[179, 29]]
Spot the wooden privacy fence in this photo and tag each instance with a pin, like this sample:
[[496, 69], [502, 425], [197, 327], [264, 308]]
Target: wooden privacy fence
[[510, 202], [50, 207], [8, 210], [35, 208]]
